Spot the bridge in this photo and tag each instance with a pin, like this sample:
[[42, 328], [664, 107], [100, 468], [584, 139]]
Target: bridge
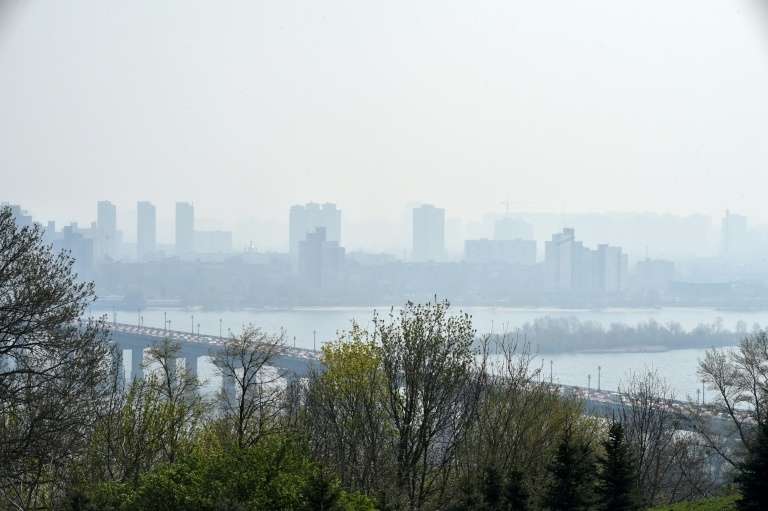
[[291, 361]]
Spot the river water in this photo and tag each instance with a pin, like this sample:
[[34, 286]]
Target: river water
[[311, 327]]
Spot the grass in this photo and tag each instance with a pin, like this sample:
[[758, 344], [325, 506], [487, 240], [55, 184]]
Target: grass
[[717, 504]]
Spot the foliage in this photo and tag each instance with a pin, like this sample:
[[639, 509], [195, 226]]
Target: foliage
[[727, 503], [276, 474], [753, 476], [617, 483], [52, 366], [573, 474]]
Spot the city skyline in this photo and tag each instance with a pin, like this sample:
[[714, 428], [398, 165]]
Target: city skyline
[[645, 124]]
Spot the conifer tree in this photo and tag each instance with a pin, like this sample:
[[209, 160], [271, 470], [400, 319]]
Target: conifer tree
[[514, 493], [572, 475], [753, 478], [616, 487]]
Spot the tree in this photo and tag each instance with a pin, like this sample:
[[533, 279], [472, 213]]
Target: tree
[[516, 496], [572, 473], [432, 393], [179, 390], [739, 380], [53, 365], [617, 484], [754, 474], [668, 467], [251, 397], [519, 420], [346, 417]]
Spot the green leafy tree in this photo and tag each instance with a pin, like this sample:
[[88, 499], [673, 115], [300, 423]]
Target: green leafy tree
[[617, 483]]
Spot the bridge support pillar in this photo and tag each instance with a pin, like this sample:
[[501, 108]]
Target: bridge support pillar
[[122, 375], [137, 358], [190, 365], [228, 388]]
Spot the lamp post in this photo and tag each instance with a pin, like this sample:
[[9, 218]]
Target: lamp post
[[550, 371], [598, 377], [220, 328], [193, 324], [314, 340]]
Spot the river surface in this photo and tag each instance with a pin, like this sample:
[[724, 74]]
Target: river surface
[[311, 327]]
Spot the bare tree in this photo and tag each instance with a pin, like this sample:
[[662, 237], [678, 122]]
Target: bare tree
[[738, 381], [53, 366], [180, 392], [433, 388], [252, 397], [520, 419], [669, 462]]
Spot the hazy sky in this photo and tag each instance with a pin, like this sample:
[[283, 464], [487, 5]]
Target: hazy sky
[[246, 107]]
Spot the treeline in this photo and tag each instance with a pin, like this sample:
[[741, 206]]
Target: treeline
[[411, 414], [555, 335]]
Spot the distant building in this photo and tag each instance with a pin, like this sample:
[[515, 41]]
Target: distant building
[[515, 251], [559, 259], [307, 218], [320, 260], [428, 233], [21, 217], [146, 230], [611, 269], [573, 267], [185, 229], [80, 247], [213, 242], [508, 228], [106, 237], [735, 236]]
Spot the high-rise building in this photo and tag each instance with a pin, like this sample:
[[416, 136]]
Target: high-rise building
[[80, 247], [21, 218], [320, 260], [611, 272], [428, 233], [559, 257], [146, 229], [735, 236], [185, 229], [106, 235], [573, 267], [307, 218]]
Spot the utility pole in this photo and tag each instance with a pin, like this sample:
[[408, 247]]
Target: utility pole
[[165, 320], [598, 377]]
